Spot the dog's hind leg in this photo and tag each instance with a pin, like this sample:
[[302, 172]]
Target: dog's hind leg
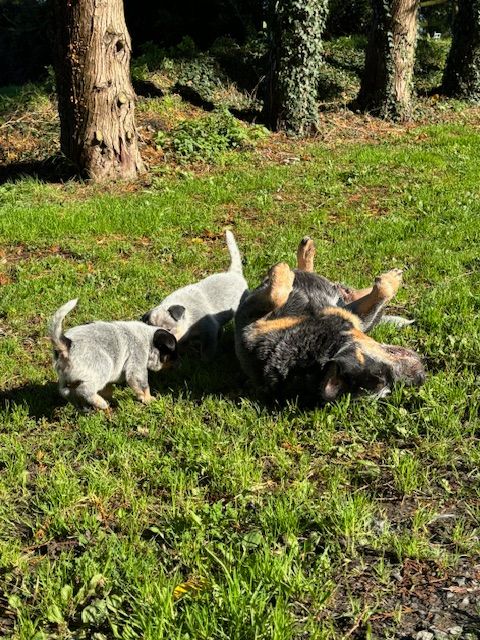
[[280, 285], [88, 395], [268, 297], [369, 307], [306, 254], [107, 392]]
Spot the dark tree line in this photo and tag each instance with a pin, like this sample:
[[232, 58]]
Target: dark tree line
[[92, 55], [461, 78]]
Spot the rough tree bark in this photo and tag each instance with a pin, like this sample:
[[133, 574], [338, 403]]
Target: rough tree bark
[[295, 31], [461, 78], [95, 93], [386, 87]]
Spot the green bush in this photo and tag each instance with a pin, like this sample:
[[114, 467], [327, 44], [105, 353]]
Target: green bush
[[201, 74], [153, 57], [206, 139], [430, 61], [431, 55], [339, 76], [28, 97], [346, 53]]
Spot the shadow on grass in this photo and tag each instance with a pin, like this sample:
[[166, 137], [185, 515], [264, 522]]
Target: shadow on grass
[[147, 89], [41, 400], [221, 377], [52, 170]]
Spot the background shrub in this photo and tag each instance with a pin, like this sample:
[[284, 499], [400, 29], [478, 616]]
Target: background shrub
[[205, 139]]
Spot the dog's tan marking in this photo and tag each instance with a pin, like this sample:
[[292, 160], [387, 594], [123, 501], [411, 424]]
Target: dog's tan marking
[[142, 394], [306, 254], [359, 355], [388, 284], [354, 294], [98, 402], [279, 324], [370, 347], [344, 314], [281, 284]]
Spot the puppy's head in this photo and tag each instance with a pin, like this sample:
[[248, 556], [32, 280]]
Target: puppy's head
[[171, 319], [163, 352]]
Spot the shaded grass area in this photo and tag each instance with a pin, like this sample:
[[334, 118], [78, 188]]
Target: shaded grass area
[[207, 514]]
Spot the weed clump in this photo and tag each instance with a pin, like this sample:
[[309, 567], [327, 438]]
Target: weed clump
[[207, 138]]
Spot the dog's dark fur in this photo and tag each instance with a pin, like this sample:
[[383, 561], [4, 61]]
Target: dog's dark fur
[[311, 344]]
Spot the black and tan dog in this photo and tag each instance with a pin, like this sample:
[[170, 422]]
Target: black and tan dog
[[300, 335]]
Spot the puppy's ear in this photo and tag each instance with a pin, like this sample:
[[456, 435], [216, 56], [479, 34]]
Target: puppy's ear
[[166, 343], [177, 312]]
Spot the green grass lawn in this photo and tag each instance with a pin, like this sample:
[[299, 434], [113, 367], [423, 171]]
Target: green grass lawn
[[208, 515]]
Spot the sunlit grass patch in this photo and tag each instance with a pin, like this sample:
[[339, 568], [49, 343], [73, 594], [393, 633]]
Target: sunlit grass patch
[[291, 523]]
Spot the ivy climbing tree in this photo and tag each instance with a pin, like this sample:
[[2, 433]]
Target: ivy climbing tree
[[295, 33], [386, 87], [461, 78], [95, 95]]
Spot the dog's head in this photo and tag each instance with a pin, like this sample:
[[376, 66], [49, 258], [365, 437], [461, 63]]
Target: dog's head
[[326, 355], [372, 368], [172, 319], [163, 351]]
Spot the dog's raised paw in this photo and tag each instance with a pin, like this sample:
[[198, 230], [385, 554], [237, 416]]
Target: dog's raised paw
[[306, 254], [387, 284]]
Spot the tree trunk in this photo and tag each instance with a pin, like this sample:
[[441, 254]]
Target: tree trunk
[[295, 30], [461, 78], [386, 87], [95, 94]]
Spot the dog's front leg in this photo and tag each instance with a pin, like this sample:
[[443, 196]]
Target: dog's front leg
[[139, 384], [87, 395]]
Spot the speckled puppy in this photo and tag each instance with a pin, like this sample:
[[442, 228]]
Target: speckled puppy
[[90, 358], [199, 311]]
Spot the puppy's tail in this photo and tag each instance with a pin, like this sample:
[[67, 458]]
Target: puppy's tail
[[235, 257], [61, 344]]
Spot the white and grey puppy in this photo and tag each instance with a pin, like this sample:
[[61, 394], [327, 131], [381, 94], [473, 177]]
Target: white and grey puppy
[[91, 357], [199, 311]]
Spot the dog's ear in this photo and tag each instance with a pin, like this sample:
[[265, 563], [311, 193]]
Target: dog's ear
[[346, 373], [166, 343], [177, 312], [333, 383]]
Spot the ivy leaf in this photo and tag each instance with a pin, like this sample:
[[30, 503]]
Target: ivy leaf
[[54, 614], [95, 613]]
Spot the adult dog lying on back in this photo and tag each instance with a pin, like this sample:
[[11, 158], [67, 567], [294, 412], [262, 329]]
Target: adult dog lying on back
[[300, 335]]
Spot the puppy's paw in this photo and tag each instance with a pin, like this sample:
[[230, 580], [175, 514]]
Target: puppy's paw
[[387, 285], [281, 279], [306, 254], [108, 413], [145, 397]]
